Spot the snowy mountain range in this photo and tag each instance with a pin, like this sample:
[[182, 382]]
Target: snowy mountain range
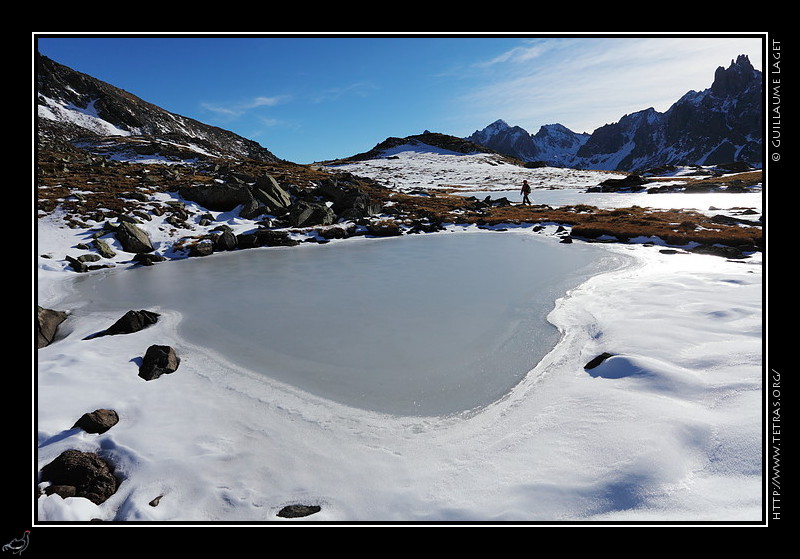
[[721, 124]]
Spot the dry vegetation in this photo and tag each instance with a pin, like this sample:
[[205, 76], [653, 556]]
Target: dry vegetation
[[88, 187], [676, 227]]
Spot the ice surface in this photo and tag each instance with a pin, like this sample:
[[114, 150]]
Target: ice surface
[[433, 325]]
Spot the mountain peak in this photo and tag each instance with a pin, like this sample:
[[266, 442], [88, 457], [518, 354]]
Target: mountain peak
[[75, 106], [719, 125], [734, 79]]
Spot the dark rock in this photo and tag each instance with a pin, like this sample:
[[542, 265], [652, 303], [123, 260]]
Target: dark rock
[[133, 239], [224, 240], [218, 197], [597, 360], [349, 202], [631, 182], [298, 511], [80, 474], [337, 232], [267, 191], [203, 248], [130, 322], [265, 237], [252, 209], [158, 360], [383, 229], [98, 421], [310, 214], [77, 265], [148, 259], [47, 323], [723, 251], [102, 247]]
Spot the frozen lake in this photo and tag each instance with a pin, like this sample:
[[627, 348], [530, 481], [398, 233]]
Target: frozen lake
[[416, 325]]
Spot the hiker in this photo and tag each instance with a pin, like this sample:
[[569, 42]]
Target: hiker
[[526, 189]]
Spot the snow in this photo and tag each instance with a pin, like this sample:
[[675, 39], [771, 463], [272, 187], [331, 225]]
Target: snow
[[409, 167], [84, 117], [667, 429]]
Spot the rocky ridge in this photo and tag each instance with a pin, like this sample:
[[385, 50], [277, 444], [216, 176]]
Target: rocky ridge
[[719, 125]]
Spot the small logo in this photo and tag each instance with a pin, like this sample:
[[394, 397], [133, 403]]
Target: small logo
[[18, 545]]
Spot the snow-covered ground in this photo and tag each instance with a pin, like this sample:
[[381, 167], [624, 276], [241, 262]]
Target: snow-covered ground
[[406, 168], [668, 429]]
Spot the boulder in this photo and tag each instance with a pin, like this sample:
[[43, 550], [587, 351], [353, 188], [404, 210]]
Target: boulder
[[47, 322], [133, 239], [158, 360], [297, 511], [630, 182], [148, 259], [80, 474], [309, 214], [202, 248], [224, 239], [102, 247], [130, 322], [597, 360], [383, 229], [349, 202], [267, 191], [265, 237], [221, 197], [98, 421]]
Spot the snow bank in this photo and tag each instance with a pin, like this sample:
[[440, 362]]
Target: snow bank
[[666, 430]]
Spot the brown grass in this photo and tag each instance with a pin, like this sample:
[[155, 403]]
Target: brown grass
[[87, 189]]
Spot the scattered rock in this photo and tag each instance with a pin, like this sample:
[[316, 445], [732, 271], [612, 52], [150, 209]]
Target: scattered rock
[[47, 322], [80, 474], [224, 239], [723, 251], [130, 322], [383, 229], [631, 182], [158, 360], [102, 247], [98, 421], [218, 197], [597, 360], [146, 259], [267, 191], [298, 511], [133, 239], [202, 248], [310, 214]]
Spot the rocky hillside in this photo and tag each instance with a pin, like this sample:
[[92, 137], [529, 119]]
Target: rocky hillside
[[722, 124], [76, 109], [143, 185]]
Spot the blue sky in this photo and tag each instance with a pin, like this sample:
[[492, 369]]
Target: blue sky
[[315, 98]]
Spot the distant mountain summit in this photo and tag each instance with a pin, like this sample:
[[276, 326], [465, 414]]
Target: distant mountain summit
[[722, 124], [73, 107]]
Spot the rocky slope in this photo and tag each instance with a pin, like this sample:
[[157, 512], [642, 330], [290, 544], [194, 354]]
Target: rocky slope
[[78, 109], [121, 170], [719, 125]]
